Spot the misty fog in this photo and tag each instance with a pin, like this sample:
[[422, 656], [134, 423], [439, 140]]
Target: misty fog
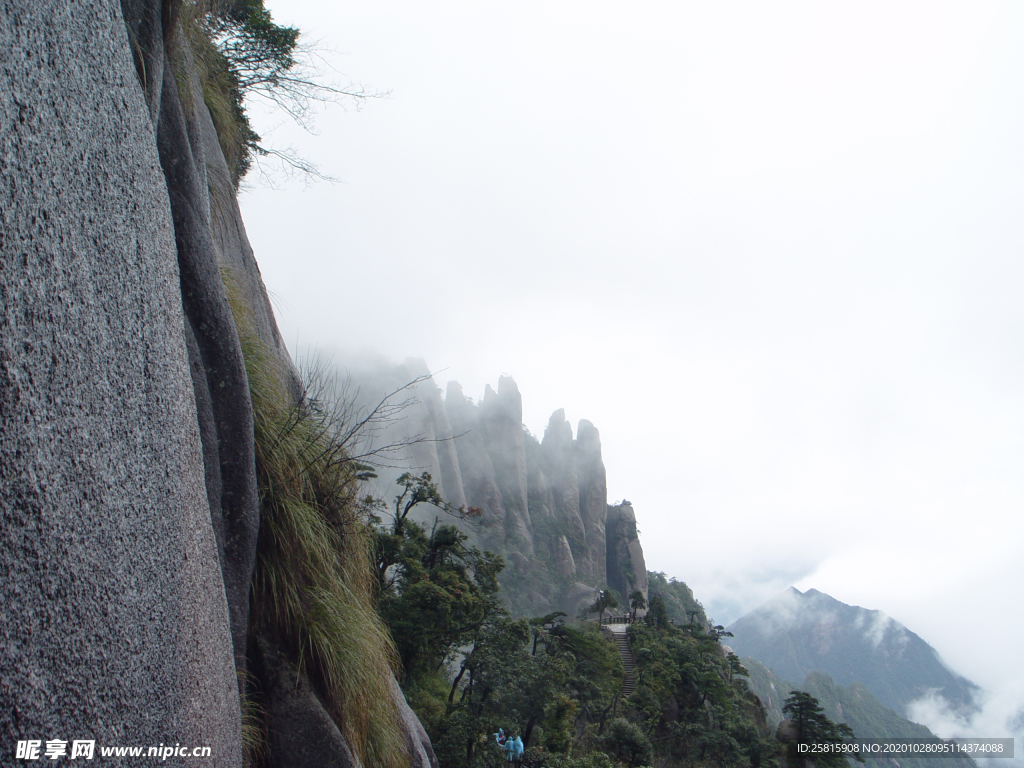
[[772, 252]]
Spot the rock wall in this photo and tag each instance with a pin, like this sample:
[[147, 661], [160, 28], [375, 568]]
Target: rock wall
[[544, 503], [593, 487], [220, 386], [114, 624], [556, 464], [559, 544], [129, 510], [479, 480], [501, 426], [627, 571], [440, 449]]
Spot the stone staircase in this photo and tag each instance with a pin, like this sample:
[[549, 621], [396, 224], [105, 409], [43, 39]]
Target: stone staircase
[[618, 633]]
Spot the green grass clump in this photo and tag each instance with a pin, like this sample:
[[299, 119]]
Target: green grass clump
[[313, 588]]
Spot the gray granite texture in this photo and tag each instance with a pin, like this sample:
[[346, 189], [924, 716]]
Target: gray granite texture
[[113, 620], [129, 511], [300, 732], [220, 386], [627, 571]]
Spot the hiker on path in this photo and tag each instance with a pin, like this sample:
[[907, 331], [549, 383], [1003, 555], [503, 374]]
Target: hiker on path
[[517, 750], [500, 737], [510, 750]]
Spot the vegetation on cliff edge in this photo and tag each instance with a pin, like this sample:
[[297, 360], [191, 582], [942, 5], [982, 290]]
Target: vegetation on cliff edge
[[240, 52], [469, 668], [313, 591]]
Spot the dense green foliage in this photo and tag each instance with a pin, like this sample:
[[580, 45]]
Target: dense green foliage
[[470, 668], [467, 664], [691, 699], [676, 599], [811, 726]]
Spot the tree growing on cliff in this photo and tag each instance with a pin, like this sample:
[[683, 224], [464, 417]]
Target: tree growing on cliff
[[814, 727], [637, 602], [605, 601], [242, 53], [736, 667], [421, 489], [435, 593], [657, 616], [543, 627], [261, 53]]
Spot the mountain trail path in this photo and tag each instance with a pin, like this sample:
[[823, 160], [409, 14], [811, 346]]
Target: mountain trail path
[[618, 633]]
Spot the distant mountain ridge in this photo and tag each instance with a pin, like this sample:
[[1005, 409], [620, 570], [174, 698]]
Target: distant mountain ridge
[[853, 705], [798, 633]]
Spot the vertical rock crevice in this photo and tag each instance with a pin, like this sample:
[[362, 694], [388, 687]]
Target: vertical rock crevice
[[225, 304], [222, 387], [216, 362]]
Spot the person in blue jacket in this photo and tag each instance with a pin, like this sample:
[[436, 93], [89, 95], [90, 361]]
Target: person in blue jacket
[[510, 750], [517, 749]]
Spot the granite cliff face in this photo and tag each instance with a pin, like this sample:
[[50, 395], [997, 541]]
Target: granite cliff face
[[627, 571], [115, 622], [129, 511], [544, 503], [492, 461]]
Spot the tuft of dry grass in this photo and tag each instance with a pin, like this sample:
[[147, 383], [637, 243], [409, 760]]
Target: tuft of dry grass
[[313, 588]]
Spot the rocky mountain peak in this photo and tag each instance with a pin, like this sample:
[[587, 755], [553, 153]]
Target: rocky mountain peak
[[544, 503], [558, 433]]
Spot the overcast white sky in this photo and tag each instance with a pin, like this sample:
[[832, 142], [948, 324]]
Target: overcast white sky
[[772, 250]]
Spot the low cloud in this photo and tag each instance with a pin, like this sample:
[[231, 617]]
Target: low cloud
[[882, 625], [1000, 716], [737, 589]]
